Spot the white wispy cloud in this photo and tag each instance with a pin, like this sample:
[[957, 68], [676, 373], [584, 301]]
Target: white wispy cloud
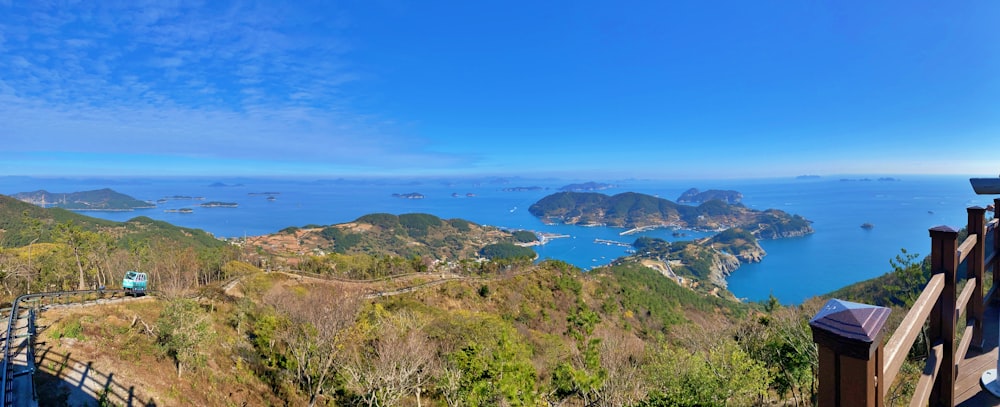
[[225, 80]]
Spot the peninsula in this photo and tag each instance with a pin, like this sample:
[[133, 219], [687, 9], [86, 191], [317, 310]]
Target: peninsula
[[96, 200]]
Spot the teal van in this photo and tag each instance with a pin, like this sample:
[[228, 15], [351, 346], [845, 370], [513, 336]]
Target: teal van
[[134, 283]]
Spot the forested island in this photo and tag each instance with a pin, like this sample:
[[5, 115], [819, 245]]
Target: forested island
[[522, 189], [635, 210], [693, 195], [219, 204], [587, 186], [411, 195]]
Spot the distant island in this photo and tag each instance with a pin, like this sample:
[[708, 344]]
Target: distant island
[[522, 189], [263, 193], [223, 185], [587, 186], [181, 210], [96, 200], [411, 195], [183, 197], [881, 179], [217, 204], [693, 195], [635, 210], [808, 176]]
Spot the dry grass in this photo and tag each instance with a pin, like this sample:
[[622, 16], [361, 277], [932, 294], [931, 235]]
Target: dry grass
[[120, 357]]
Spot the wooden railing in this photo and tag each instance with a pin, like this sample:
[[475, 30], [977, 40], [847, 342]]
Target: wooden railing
[[856, 368]]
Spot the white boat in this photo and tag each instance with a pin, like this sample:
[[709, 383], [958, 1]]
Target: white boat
[[986, 186]]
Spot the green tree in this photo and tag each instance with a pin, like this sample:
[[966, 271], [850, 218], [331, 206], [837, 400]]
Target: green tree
[[722, 375], [78, 242], [499, 251], [486, 363], [182, 331], [583, 376]]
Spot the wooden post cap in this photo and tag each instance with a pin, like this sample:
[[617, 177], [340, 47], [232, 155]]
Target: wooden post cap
[[849, 328], [942, 230]]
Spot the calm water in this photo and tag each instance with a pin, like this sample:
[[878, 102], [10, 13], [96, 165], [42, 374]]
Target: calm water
[[839, 253]]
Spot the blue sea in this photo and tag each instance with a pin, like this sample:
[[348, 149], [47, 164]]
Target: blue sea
[[839, 253]]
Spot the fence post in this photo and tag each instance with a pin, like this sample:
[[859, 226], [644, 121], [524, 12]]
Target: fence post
[[944, 259], [848, 336], [996, 249], [975, 270]]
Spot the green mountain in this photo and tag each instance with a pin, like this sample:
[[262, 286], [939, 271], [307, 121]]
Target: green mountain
[[97, 200], [634, 210], [408, 235], [22, 223]]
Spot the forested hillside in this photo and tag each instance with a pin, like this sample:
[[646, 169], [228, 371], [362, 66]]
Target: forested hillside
[[55, 249], [377, 328]]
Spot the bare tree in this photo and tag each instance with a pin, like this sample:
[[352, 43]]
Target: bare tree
[[622, 357], [315, 337], [173, 267], [397, 360]]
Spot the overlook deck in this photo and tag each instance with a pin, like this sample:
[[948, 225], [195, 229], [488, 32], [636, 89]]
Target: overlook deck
[[968, 390]]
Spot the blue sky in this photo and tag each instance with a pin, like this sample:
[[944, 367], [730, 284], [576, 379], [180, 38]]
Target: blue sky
[[653, 89]]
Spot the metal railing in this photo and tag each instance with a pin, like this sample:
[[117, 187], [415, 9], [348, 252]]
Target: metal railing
[[7, 396]]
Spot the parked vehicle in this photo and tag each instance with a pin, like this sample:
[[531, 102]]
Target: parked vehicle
[[134, 283]]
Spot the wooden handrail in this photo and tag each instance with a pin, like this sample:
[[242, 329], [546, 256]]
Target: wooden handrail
[[963, 299], [924, 386], [963, 346], [966, 247], [902, 340]]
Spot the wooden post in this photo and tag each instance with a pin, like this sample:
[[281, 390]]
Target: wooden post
[[944, 259], [975, 269], [996, 248], [848, 336]]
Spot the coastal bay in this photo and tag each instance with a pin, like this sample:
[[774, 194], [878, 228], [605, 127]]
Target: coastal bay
[[837, 254]]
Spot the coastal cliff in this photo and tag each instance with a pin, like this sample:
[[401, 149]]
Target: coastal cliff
[[702, 264], [723, 264]]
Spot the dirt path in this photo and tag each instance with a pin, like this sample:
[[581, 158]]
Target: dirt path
[[377, 288]]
